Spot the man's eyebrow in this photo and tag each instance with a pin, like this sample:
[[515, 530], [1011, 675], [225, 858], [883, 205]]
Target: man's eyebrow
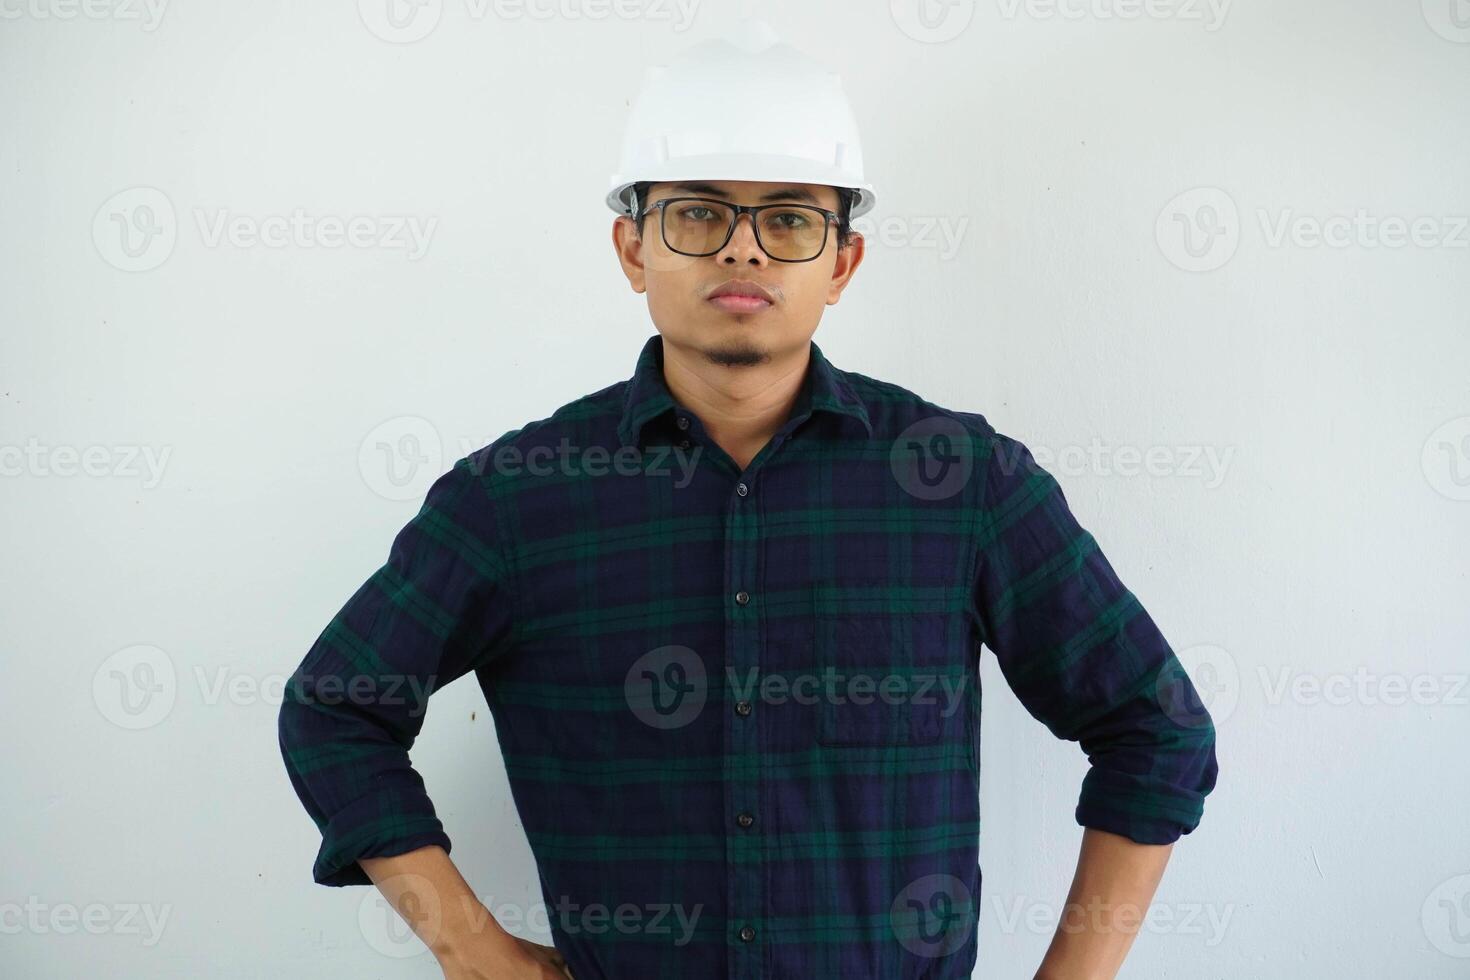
[[785, 194]]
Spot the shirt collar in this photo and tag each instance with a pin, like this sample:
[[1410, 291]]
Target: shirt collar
[[823, 389]]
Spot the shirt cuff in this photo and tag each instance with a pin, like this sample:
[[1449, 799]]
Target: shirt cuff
[[375, 825], [1144, 809]]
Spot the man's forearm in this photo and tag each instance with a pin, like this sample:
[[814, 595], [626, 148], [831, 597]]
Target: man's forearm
[[427, 890], [1115, 882]]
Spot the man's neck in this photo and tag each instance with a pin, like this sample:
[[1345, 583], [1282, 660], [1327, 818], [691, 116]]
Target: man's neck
[[741, 406]]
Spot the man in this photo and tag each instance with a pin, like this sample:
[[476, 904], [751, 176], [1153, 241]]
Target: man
[[727, 616]]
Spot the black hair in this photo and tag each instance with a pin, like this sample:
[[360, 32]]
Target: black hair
[[846, 199]]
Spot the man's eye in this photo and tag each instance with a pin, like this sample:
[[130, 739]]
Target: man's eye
[[698, 213]]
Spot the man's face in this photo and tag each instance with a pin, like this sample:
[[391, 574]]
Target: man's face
[[682, 290]]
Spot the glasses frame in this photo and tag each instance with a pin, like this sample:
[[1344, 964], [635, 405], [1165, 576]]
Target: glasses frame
[[754, 210]]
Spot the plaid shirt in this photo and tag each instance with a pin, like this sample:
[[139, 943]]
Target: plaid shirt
[[739, 709]]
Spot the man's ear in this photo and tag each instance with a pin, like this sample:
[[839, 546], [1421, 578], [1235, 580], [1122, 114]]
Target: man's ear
[[849, 257], [629, 249]]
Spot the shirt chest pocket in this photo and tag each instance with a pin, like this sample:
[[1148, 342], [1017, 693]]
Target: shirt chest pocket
[[875, 687]]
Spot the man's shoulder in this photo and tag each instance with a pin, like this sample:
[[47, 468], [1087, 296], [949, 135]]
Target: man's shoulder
[[895, 411], [583, 423], [912, 423]]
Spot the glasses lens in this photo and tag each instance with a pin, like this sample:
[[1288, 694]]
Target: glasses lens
[[790, 233], [793, 232], [696, 227]]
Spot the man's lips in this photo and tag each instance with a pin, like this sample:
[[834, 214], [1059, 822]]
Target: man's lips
[[741, 296], [732, 303]]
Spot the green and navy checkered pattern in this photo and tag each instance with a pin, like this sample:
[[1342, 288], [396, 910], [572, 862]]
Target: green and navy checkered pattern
[[739, 709]]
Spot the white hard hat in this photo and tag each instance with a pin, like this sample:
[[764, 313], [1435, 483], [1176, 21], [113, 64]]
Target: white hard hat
[[749, 107]]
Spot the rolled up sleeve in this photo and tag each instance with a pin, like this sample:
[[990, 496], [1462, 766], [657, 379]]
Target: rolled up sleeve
[[1084, 657], [438, 608]]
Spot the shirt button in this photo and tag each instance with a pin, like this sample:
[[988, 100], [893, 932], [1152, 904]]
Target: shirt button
[[683, 422], [742, 708], [741, 489], [745, 820], [742, 597], [747, 934]]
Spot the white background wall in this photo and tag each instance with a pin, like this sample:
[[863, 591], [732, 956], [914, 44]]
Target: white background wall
[[1313, 576]]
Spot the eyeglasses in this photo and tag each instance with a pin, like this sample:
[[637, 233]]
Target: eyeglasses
[[701, 226]]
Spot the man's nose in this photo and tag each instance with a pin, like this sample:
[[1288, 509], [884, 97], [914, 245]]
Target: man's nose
[[742, 246]]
